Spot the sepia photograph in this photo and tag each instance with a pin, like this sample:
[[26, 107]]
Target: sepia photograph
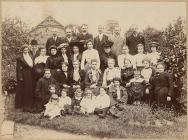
[[93, 69]]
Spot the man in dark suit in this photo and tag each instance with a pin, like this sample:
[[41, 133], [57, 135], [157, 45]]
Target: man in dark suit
[[133, 40], [100, 39], [84, 35], [54, 40], [69, 38]]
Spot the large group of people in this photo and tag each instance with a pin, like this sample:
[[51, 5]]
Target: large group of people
[[86, 75]]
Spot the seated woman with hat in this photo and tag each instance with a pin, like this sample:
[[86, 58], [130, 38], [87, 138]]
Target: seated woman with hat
[[63, 53], [107, 53], [76, 48]]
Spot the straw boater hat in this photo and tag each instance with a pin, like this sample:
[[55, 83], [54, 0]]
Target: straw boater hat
[[154, 44], [63, 45]]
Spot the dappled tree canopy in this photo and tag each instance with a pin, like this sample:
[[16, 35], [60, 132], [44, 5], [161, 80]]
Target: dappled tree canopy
[[14, 35]]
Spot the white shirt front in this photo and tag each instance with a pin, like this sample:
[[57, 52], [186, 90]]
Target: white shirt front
[[41, 59], [88, 105], [122, 57], [139, 58], [110, 74], [146, 73], [28, 59], [102, 101], [75, 56], [64, 101], [88, 55], [100, 36], [76, 75], [65, 58], [154, 57]]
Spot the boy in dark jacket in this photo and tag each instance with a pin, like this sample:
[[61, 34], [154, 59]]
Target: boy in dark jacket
[[42, 92]]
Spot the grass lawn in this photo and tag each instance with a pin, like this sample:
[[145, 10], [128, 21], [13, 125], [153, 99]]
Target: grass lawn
[[110, 127]]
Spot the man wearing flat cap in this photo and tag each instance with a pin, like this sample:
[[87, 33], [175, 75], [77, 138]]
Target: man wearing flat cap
[[54, 40], [133, 40], [107, 53]]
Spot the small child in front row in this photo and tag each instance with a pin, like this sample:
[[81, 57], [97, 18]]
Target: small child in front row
[[76, 101], [136, 88], [64, 103], [118, 97], [102, 103], [147, 72], [162, 86], [87, 103], [52, 109]]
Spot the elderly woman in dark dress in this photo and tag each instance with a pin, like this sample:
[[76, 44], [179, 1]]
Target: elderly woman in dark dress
[[24, 93]]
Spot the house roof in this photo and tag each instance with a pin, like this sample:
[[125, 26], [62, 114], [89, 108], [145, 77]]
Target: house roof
[[48, 22]]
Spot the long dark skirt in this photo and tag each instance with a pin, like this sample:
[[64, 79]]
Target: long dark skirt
[[24, 94], [160, 96]]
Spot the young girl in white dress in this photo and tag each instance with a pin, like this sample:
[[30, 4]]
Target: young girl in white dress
[[110, 73], [87, 103], [139, 57], [154, 56], [52, 107]]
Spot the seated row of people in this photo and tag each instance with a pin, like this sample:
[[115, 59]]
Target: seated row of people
[[138, 87]]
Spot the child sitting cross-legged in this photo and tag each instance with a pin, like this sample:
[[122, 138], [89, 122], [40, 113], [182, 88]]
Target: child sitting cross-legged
[[64, 103], [87, 103], [118, 97], [136, 88], [76, 101], [52, 107], [102, 103]]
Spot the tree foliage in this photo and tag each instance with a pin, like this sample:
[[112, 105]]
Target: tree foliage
[[14, 35]]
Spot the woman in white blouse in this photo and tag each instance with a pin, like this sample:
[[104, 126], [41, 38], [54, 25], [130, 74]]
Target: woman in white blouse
[[88, 55], [110, 73], [40, 63], [125, 55]]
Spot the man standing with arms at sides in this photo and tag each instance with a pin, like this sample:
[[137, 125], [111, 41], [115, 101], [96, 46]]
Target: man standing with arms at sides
[[100, 39], [133, 40], [118, 41], [54, 40], [84, 35]]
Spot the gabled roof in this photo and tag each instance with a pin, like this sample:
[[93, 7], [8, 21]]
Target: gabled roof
[[48, 22]]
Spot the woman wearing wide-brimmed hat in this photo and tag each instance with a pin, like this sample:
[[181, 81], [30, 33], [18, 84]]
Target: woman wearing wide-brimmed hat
[[77, 49]]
